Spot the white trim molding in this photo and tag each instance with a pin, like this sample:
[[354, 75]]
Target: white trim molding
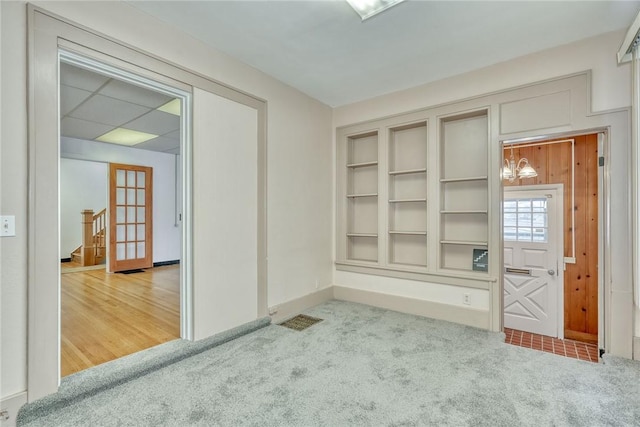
[[631, 40], [452, 313], [290, 308], [12, 405]]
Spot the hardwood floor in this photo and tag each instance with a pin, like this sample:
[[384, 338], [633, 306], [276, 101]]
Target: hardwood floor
[[107, 316]]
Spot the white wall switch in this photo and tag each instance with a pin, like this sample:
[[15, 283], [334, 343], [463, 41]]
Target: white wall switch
[[7, 225]]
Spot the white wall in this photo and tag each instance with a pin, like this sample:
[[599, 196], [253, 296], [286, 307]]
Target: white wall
[[299, 169], [166, 232], [83, 185], [13, 199], [225, 214], [610, 90], [611, 82]]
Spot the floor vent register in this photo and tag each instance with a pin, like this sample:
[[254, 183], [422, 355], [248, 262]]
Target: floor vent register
[[300, 322]]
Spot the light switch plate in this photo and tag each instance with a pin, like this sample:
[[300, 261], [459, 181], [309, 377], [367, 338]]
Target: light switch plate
[[7, 225]]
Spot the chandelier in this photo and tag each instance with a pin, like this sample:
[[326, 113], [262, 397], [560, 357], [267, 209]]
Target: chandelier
[[512, 170]]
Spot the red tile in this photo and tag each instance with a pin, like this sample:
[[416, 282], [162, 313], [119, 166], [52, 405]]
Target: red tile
[[567, 348]]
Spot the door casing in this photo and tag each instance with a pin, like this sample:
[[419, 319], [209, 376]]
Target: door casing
[[48, 35]]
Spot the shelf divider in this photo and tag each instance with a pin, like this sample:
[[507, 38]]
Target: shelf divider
[[362, 165], [407, 200], [409, 233], [463, 242], [407, 171], [464, 212], [351, 196], [464, 179]]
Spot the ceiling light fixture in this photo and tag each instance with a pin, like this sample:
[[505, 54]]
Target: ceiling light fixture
[[368, 8], [171, 107], [124, 136], [512, 170]]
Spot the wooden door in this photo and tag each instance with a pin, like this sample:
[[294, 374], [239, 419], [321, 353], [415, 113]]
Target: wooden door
[[532, 246], [130, 217]]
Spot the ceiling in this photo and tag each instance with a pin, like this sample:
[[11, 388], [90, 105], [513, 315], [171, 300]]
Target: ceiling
[[92, 105], [324, 50]]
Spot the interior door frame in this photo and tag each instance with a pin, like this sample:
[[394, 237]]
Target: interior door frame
[[47, 35], [605, 320], [95, 61], [558, 190]]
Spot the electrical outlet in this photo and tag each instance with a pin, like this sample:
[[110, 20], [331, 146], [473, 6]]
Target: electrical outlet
[[467, 299]]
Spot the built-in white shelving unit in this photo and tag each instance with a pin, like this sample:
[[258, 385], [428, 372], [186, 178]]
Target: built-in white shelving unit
[[362, 197], [464, 221], [407, 195], [413, 198]]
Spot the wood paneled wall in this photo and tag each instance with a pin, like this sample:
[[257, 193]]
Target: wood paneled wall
[[553, 164]]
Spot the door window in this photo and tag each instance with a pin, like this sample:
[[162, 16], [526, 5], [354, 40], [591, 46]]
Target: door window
[[526, 220]]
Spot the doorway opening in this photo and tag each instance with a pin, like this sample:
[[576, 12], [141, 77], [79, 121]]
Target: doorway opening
[[122, 139], [551, 246]]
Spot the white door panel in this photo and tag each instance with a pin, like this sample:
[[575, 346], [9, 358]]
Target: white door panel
[[532, 247], [535, 258], [530, 303]]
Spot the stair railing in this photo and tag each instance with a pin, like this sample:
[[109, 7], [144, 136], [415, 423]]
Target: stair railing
[[93, 236]]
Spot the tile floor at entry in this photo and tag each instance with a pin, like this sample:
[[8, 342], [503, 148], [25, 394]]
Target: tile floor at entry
[[567, 348]]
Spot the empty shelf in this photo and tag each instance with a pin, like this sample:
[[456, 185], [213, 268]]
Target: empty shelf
[[351, 196], [410, 233], [362, 165], [406, 200], [469, 178], [407, 171], [464, 212], [463, 242]]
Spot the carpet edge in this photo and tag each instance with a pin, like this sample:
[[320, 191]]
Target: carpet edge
[[75, 392]]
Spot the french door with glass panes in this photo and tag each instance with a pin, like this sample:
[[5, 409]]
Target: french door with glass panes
[[130, 217]]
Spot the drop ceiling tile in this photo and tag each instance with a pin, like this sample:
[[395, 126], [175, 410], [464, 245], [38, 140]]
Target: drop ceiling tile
[[173, 151], [155, 122], [160, 144], [82, 129], [174, 134], [81, 78], [134, 94], [102, 109], [70, 98]]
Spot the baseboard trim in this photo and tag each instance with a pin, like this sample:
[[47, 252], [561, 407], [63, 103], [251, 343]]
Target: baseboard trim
[[434, 310], [636, 348], [12, 404], [295, 306], [163, 263]]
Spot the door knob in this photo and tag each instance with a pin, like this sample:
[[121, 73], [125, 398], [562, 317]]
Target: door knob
[[551, 272]]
